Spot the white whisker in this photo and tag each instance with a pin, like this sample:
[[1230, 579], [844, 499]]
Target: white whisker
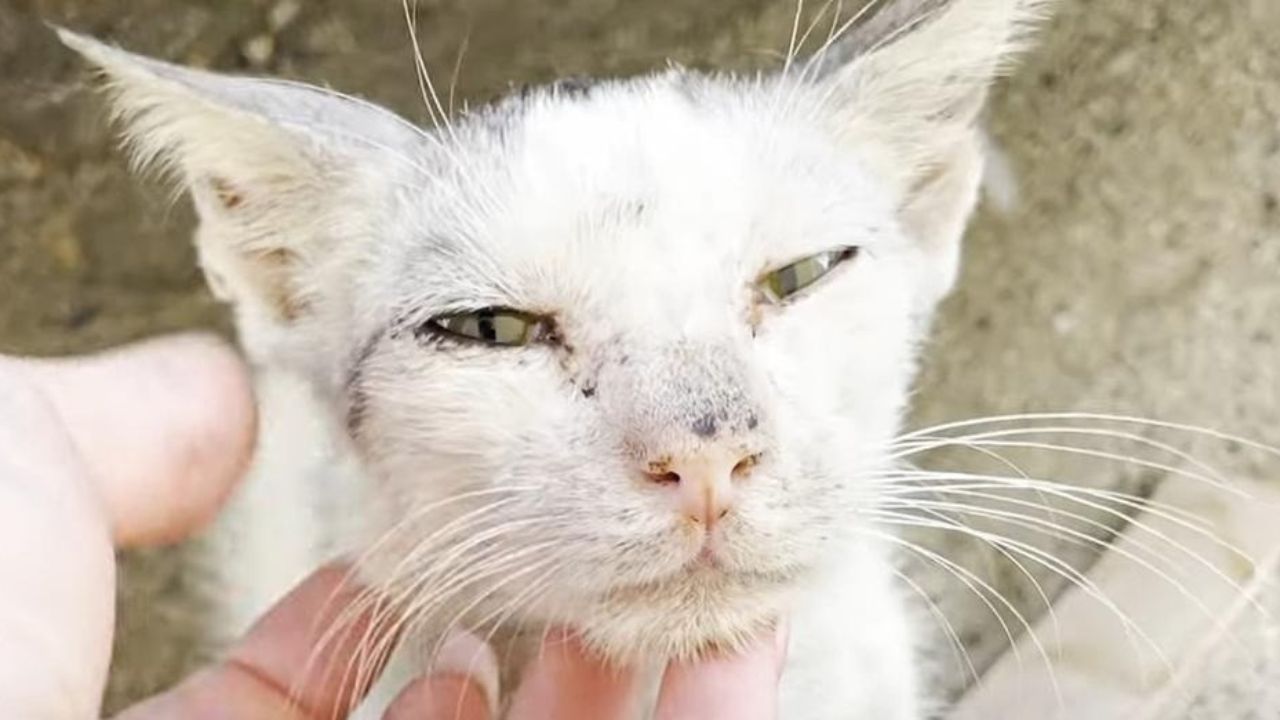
[[1102, 417], [795, 30], [1206, 473], [953, 638], [1134, 631]]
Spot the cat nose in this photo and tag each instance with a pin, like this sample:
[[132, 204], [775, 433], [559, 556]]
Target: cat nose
[[704, 481]]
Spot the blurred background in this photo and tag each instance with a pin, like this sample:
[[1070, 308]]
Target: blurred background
[[1132, 264]]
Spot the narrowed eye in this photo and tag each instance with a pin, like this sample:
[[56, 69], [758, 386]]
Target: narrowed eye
[[494, 326], [785, 282]]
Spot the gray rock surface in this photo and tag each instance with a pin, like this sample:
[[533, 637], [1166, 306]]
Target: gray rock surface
[[1238, 679], [1138, 271]]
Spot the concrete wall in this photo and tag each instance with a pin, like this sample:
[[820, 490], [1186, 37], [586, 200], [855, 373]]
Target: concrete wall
[[1138, 271]]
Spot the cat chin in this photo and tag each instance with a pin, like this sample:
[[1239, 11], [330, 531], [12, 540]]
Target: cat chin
[[699, 614]]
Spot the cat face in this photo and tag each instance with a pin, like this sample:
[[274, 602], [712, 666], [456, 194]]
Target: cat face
[[640, 221], [626, 357]]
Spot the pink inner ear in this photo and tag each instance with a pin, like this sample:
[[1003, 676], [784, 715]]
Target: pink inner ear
[[226, 193]]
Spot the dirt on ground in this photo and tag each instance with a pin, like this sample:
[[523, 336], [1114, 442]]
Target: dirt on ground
[[1135, 271]]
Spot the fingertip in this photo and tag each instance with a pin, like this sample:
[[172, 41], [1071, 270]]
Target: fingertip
[[165, 427], [463, 654], [442, 697], [742, 686], [566, 681], [218, 436]]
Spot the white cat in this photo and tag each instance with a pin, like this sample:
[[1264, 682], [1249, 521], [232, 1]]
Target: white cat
[[624, 357]]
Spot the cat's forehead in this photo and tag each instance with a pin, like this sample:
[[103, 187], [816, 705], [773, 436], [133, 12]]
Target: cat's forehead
[[685, 173], [694, 148]]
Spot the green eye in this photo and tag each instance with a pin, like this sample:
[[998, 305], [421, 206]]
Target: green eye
[[785, 282], [494, 326]]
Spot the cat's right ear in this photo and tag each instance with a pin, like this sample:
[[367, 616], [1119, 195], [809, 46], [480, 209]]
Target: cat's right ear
[[286, 178], [907, 87]]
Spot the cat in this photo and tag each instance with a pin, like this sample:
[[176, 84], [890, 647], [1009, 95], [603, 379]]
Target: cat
[[626, 356]]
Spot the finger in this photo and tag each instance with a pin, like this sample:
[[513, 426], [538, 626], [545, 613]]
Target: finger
[[743, 687], [440, 698], [312, 656], [165, 428], [56, 600], [565, 682]]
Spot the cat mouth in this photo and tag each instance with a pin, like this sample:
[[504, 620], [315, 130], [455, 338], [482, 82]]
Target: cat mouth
[[708, 556], [710, 552], [712, 559]]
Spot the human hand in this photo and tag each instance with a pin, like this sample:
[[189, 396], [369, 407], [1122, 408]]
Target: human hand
[[141, 446], [132, 447]]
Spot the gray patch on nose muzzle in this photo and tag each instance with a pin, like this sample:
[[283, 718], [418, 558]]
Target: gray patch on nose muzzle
[[706, 426], [683, 393]]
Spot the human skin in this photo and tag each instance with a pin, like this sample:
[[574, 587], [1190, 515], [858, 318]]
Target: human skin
[[140, 446]]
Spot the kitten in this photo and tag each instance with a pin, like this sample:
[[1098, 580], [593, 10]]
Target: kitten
[[625, 357]]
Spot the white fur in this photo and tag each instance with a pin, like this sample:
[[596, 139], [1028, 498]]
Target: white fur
[[639, 216]]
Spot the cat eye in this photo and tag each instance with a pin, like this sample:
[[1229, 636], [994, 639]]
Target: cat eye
[[785, 282], [494, 326]]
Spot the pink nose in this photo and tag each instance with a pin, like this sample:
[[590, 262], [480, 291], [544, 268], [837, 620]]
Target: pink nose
[[704, 482]]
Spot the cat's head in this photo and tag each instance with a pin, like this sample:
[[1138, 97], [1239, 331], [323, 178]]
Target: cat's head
[[626, 355]]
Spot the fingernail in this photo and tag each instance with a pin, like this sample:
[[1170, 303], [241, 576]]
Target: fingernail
[[464, 654]]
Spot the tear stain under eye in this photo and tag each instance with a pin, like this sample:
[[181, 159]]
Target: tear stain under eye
[[353, 383], [757, 306], [587, 381], [660, 466]]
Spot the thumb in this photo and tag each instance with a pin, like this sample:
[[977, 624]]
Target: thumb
[[164, 429], [138, 445]]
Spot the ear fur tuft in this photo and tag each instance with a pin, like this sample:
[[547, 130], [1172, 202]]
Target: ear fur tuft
[[909, 99], [279, 172]]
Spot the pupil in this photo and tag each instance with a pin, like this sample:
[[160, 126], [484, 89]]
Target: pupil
[[485, 325]]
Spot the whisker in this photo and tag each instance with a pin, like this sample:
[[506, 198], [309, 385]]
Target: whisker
[[817, 18], [1119, 419], [378, 600], [427, 89], [795, 30], [1144, 506], [457, 67], [965, 576], [819, 56], [411, 619], [1001, 459], [1206, 475], [1069, 535], [835, 21], [497, 617], [445, 531], [1053, 564], [953, 638], [1022, 569], [446, 575], [1068, 493]]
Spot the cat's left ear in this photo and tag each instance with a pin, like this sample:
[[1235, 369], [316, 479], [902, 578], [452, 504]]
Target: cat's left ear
[[908, 96], [287, 179]]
